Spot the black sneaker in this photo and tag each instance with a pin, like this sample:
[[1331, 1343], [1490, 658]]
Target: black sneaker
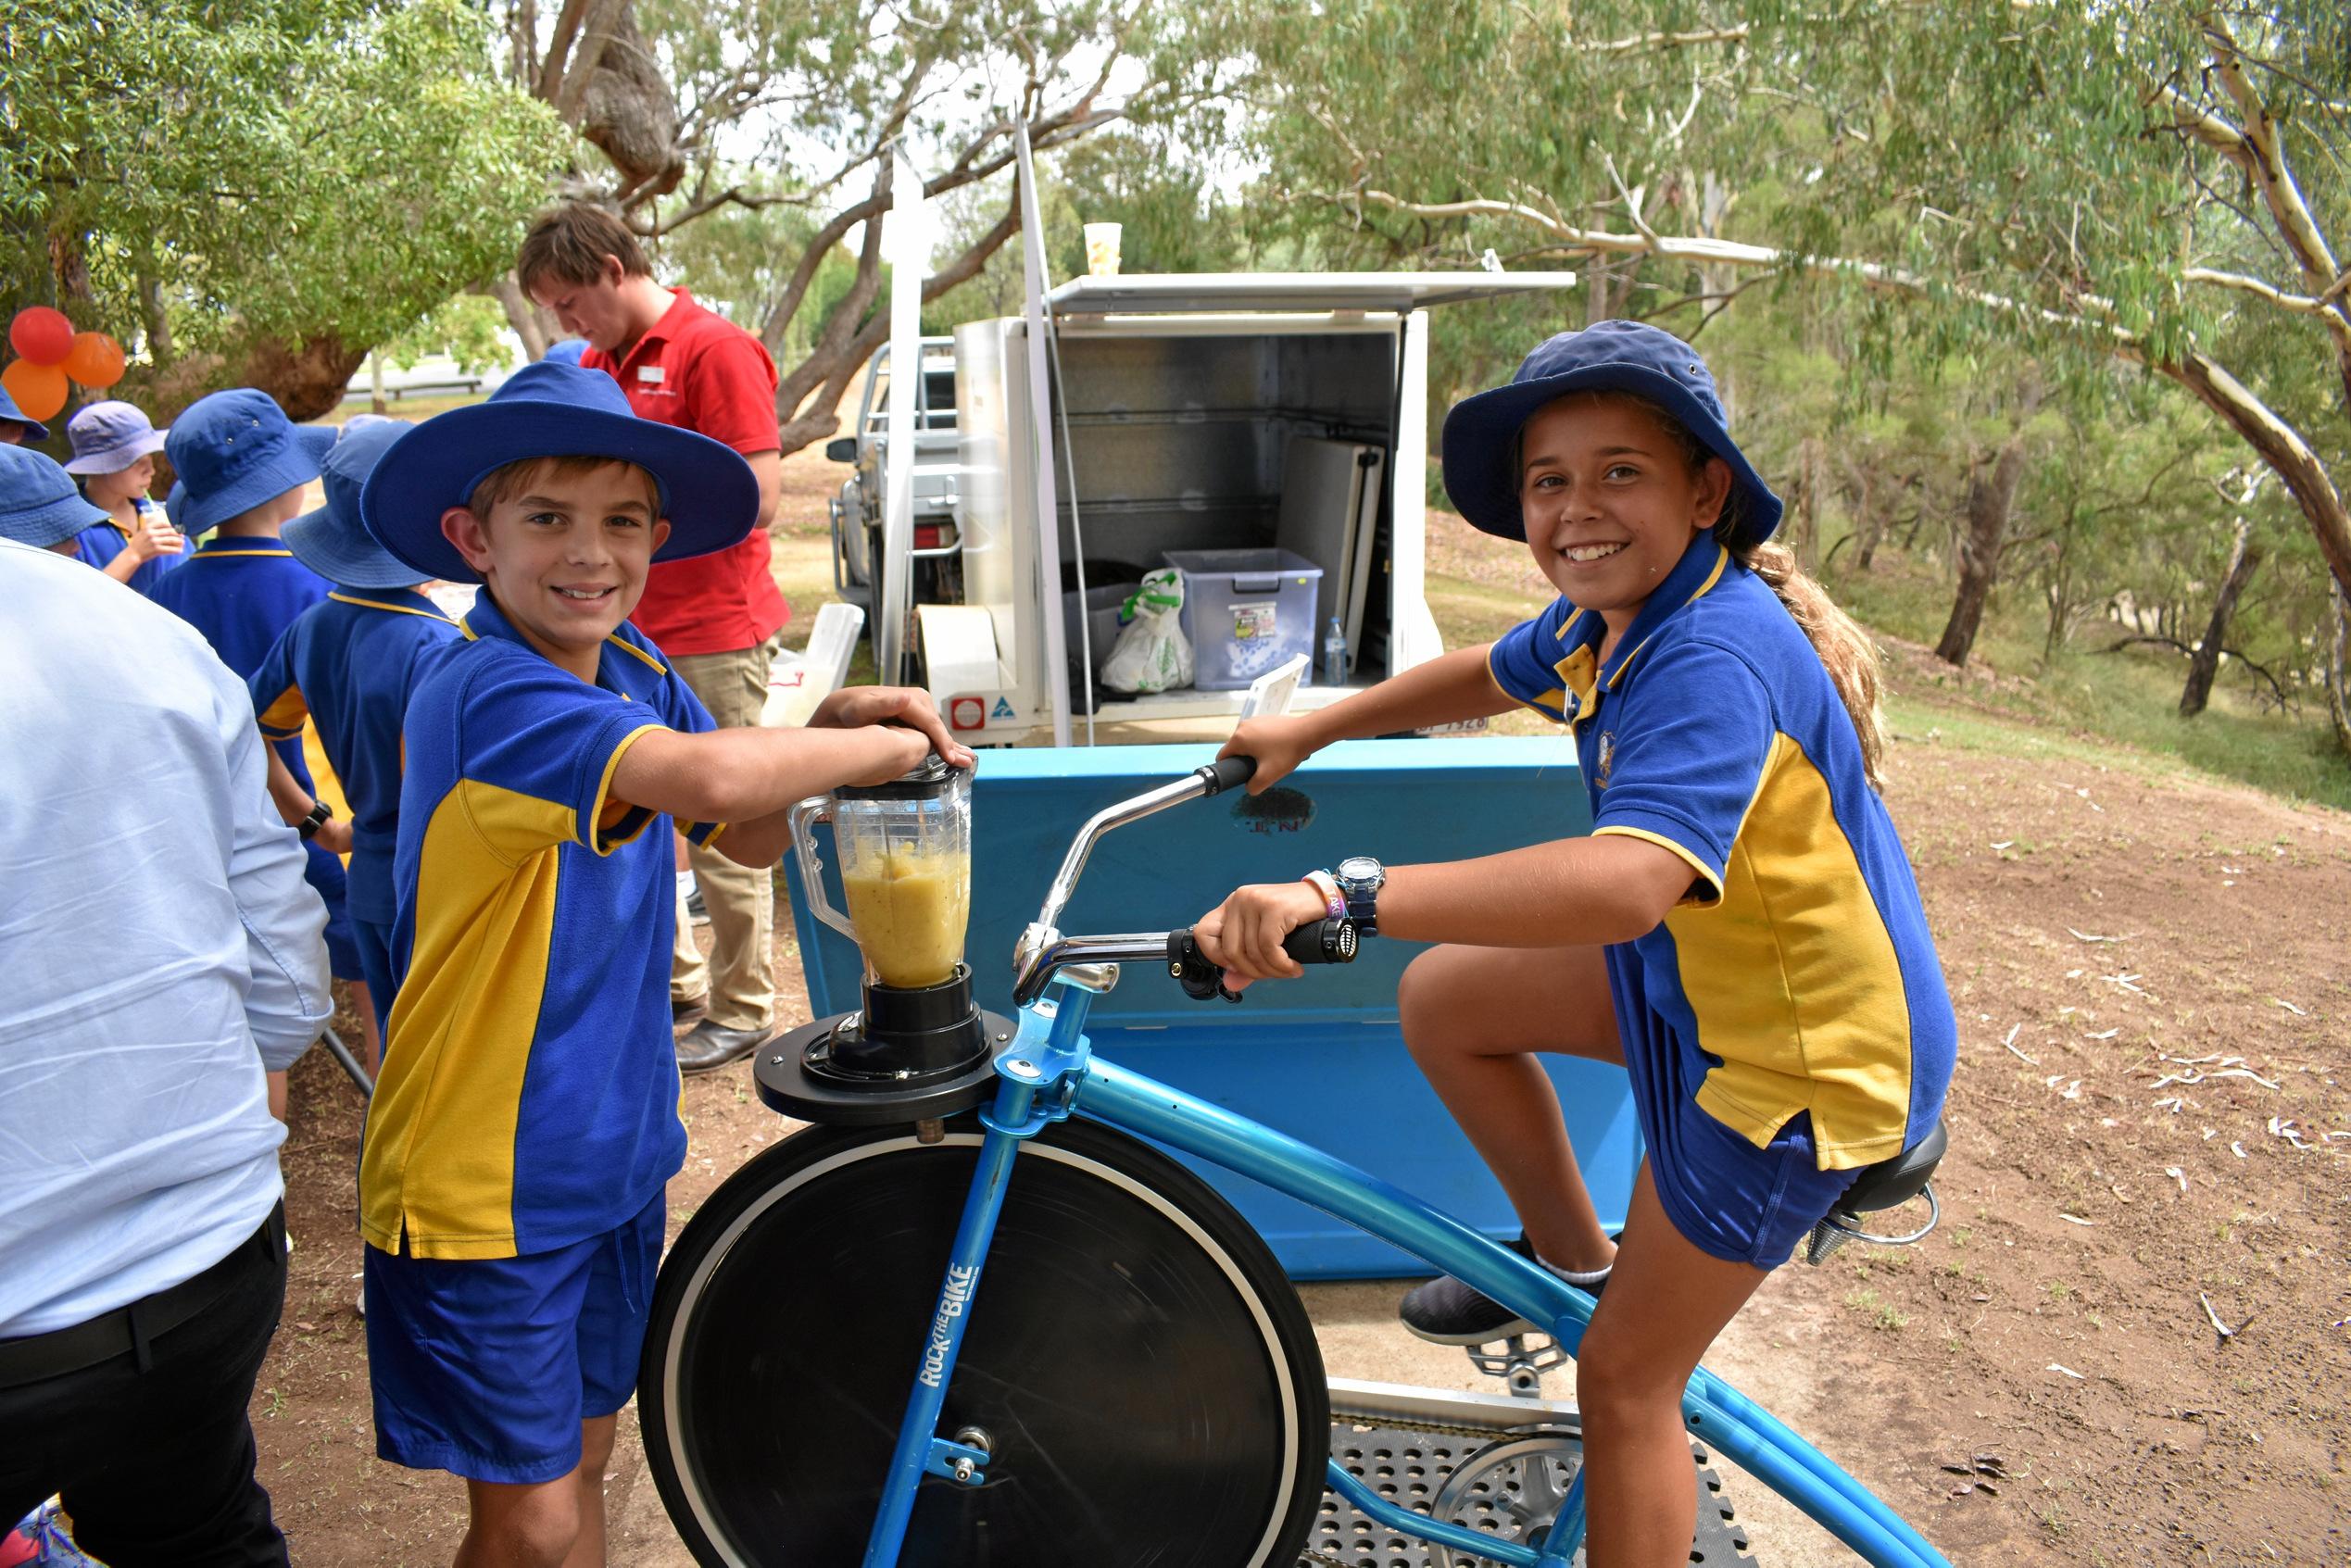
[[1445, 1311]]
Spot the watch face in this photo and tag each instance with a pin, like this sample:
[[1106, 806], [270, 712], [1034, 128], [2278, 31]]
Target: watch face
[[1361, 868]]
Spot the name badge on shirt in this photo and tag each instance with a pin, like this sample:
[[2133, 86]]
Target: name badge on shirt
[[649, 373]]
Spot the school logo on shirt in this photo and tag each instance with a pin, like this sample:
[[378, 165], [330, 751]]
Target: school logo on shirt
[[1607, 757]]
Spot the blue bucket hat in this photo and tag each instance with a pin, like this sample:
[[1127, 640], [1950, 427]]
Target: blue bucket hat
[[39, 505], [108, 437], [332, 541], [1482, 431], [34, 429], [234, 450], [708, 492]]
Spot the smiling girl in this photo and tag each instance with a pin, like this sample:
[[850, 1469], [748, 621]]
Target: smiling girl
[[1740, 930]]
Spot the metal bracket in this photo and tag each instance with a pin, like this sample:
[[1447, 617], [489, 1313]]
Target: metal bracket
[[1519, 1364], [960, 1462]]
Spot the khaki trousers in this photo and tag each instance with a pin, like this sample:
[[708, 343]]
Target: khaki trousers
[[739, 976]]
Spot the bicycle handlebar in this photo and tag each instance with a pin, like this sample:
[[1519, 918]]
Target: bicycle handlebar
[[1327, 941]]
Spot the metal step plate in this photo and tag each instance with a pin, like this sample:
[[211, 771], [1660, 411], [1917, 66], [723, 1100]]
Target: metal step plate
[[1413, 1466]]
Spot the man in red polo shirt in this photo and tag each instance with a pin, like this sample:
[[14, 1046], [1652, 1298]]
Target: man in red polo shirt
[[717, 618]]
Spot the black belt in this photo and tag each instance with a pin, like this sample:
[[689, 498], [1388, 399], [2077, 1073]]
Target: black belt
[[127, 1331]]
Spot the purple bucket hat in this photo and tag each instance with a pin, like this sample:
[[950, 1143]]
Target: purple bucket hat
[[108, 437]]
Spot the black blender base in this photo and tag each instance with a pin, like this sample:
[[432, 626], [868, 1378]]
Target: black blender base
[[781, 1071]]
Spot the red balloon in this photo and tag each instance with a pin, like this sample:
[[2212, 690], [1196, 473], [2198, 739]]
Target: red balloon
[[42, 335], [96, 360], [39, 390]]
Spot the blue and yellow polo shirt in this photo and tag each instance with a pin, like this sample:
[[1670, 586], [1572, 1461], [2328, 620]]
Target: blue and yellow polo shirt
[[101, 542], [529, 1093], [351, 663], [1800, 964]]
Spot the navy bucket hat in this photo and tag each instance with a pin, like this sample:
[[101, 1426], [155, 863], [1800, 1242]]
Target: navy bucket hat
[[39, 505], [332, 541], [1482, 431], [236, 450], [708, 492]]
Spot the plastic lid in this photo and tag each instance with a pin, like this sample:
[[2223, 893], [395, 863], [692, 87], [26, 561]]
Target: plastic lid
[[931, 778]]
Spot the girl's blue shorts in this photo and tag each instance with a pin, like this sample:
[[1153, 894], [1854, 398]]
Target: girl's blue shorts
[[486, 1367], [1728, 1198]]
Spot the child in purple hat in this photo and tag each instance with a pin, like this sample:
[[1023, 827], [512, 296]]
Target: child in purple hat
[[1739, 931], [114, 448]]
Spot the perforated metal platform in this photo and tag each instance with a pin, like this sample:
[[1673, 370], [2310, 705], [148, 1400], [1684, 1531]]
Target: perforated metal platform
[[1497, 1465]]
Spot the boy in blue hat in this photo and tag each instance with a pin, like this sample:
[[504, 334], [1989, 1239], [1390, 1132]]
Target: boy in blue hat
[[348, 664], [39, 505], [17, 428], [1740, 931], [114, 447], [526, 1119], [243, 465]]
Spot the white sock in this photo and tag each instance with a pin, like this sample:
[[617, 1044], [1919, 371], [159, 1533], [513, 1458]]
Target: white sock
[[1585, 1279], [685, 885]]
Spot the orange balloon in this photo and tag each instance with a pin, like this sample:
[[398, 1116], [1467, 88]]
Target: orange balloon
[[39, 390], [42, 335], [96, 360]]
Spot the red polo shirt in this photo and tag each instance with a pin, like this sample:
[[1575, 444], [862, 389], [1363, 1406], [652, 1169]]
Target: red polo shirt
[[699, 371]]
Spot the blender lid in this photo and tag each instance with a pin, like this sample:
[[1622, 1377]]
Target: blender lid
[[930, 778]]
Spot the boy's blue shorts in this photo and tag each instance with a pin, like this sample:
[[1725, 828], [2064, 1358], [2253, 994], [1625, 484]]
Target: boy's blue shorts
[[372, 941], [486, 1367], [1728, 1198]]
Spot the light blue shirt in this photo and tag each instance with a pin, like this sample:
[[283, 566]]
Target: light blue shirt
[[159, 948]]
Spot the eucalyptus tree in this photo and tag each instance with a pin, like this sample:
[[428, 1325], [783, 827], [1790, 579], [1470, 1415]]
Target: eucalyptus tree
[[2067, 182], [257, 191], [699, 107]]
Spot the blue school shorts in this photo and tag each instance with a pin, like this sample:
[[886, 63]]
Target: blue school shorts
[[325, 874], [1728, 1198], [486, 1367], [372, 941]]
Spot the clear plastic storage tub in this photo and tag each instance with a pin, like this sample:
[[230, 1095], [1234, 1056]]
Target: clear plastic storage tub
[[1245, 612]]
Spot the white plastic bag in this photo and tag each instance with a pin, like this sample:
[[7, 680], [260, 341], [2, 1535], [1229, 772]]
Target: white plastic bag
[[1153, 653]]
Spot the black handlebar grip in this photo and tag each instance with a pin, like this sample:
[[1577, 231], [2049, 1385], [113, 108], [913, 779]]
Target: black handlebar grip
[[1328, 941], [1228, 773]]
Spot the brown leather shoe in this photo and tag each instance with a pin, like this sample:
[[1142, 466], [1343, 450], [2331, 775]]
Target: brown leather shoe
[[707, 1046]]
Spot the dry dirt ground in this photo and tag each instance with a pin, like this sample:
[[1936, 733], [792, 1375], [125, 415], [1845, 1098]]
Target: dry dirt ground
[[2150, 1140]]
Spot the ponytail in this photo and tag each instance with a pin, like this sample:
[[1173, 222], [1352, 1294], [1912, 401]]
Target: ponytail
[[1844, 649]]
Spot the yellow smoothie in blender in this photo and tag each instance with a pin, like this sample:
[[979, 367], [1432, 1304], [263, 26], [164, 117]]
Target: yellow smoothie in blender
[[911, 905]]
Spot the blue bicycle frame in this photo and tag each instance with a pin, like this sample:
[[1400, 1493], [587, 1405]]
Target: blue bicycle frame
[[1048, 1072]]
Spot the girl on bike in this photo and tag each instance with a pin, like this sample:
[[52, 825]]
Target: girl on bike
[[1740, 930]]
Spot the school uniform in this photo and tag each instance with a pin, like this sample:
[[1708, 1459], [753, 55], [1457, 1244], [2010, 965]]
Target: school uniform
[[97, 546], [242, 594], [1788, 1023], [350, 664], [525, 1121]]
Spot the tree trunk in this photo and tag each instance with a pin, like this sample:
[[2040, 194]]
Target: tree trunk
[[2204, 663], [1866, 522], [523, 315], [2338, 697], [307, 379], [1988, 500]]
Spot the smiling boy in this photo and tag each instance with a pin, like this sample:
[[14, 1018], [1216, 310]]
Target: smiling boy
[[527, 1122]]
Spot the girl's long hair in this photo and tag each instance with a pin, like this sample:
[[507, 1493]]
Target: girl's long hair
[[1845, 650]]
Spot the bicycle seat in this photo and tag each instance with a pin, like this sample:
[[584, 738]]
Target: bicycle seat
[[1891, 1183]]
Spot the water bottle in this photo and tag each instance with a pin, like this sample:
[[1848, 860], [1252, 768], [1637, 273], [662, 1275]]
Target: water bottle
[[1334, 655]]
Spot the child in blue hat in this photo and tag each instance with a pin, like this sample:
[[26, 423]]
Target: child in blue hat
[[16, 427], [347, 664], [1740, 931], [39, 505], [114, 447], [526, 1119], [243, 466]]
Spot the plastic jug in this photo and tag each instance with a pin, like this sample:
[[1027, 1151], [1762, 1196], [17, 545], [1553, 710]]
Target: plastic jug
[[905, 849]]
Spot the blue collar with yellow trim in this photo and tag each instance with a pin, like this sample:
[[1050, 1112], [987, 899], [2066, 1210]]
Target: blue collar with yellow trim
[[1701, 567], [400, 601], [487, 619], [249, 544]]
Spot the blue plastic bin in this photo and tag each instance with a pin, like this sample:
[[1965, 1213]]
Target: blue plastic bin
[[1321, 1057], [1245, 612]]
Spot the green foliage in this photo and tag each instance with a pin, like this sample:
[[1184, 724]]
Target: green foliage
[[265, 168], [739, 260], [469, 327]]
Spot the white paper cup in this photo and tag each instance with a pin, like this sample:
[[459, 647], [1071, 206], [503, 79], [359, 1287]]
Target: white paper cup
[[1101, 250]]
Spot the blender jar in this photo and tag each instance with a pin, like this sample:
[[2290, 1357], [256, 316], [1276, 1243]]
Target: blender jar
[[905, 850]]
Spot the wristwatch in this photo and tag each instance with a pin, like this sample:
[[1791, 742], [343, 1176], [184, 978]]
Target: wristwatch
[[1325, 886], [1360, 878], [308, 826]]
